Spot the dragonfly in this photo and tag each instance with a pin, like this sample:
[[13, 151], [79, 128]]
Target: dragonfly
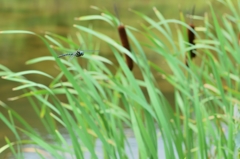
[[78, 53]]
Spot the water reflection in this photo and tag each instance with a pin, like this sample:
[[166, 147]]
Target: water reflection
[[131, 149]]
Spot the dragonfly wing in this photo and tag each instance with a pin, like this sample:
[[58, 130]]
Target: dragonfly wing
[[71, 57], [90, 50]]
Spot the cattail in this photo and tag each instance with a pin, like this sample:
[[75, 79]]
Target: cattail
[[125, 43], [191, 38], [124, 39]]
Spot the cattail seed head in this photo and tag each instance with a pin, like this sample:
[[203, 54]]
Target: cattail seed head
[[125, 44], [191, 38]]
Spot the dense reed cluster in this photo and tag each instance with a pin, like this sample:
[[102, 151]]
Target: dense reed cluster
[[103, 101]]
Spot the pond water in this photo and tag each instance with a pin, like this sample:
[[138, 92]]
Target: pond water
[[57, 17], [131, 149]]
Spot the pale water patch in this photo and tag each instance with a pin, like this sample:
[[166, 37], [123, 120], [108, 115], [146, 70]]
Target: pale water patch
[[131, 149]]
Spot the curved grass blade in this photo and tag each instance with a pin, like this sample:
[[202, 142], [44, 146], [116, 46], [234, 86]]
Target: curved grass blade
[[28, 72], [40, 59], [94, 17]]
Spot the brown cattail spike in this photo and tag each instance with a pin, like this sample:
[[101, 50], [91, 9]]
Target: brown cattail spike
[[191, 38], [125, 43]]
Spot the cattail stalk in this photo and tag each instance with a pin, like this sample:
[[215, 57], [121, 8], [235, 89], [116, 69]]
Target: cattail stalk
[[125, 44], [191, 38]]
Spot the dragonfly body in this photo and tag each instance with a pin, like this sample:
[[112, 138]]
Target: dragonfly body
[[78, 53]]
